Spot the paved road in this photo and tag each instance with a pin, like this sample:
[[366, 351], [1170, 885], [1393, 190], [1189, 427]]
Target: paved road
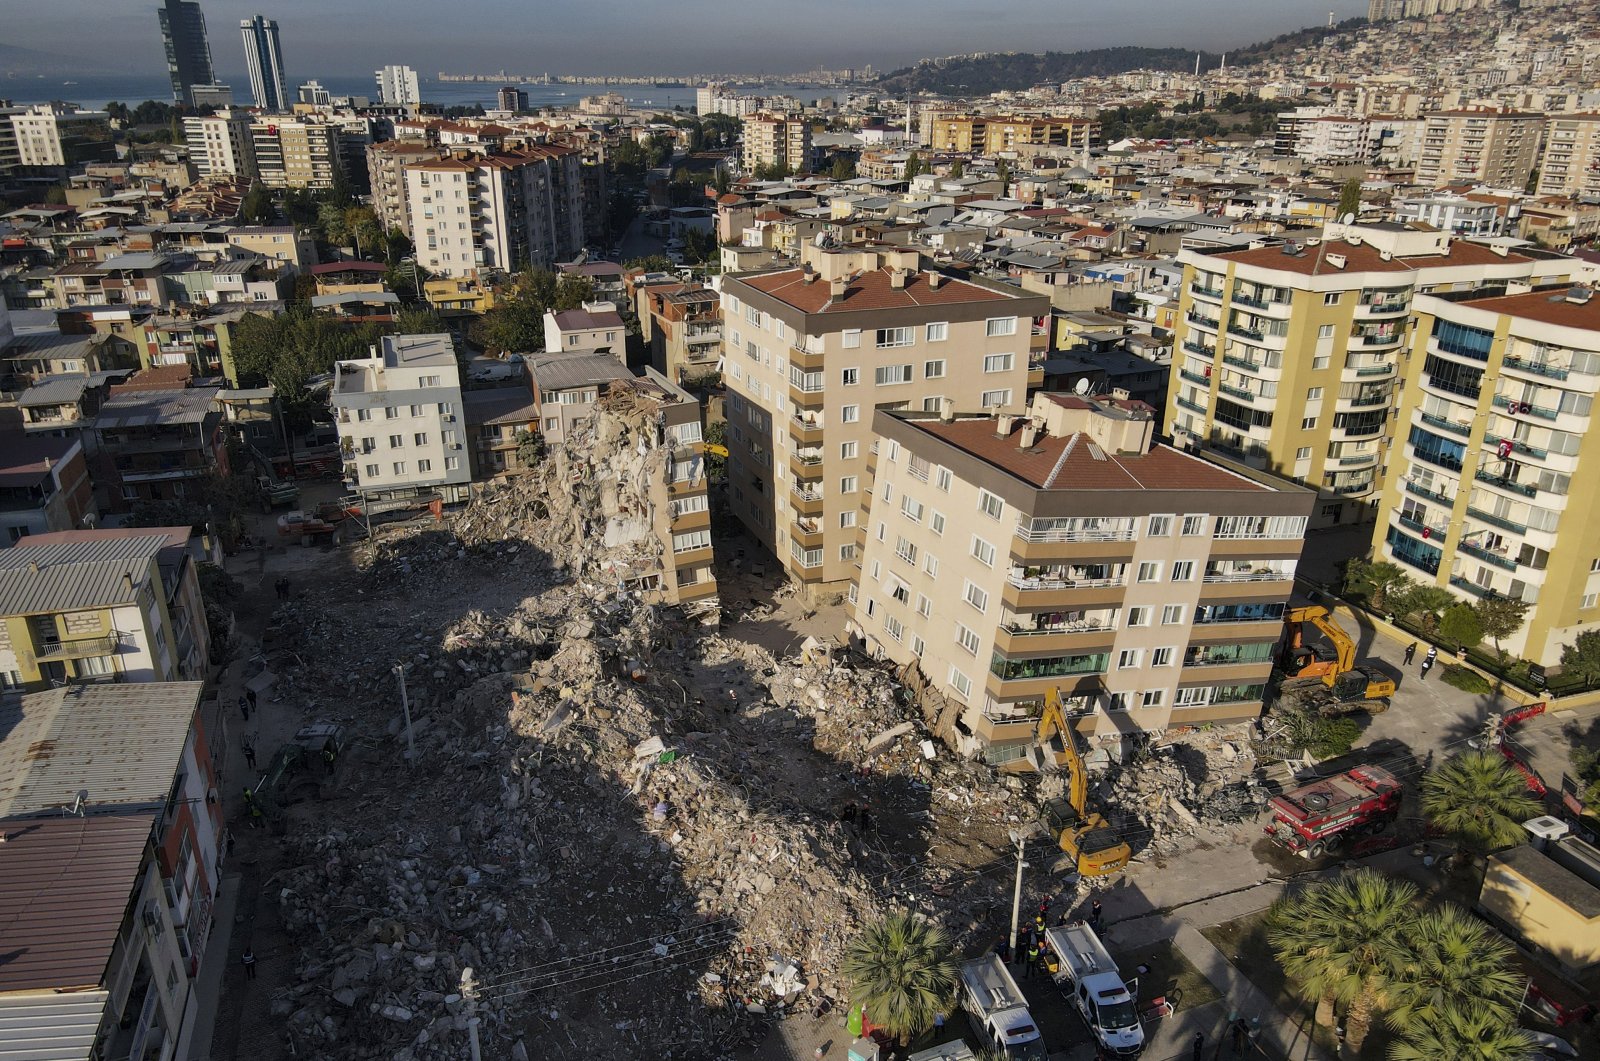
[[635, 244]]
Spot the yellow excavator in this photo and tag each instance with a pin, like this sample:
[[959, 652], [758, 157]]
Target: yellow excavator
[[1081, 832], [1346, 686]]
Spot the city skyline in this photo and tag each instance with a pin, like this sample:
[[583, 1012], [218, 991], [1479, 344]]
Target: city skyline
[[609, 37]]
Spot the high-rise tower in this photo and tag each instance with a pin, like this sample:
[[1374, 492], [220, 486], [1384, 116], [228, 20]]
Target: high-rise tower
[[264, 57], [183, 28]]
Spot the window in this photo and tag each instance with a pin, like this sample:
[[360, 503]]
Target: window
[[685, 506], [847, 519], [852, 338], [695, 539], [1303, 453], [1313, 394], [906, 550], [990, 505], [933, 369], [847, 450], [1308, 423], [1171, 614], [1000, 326], [941, 479], [1161, 657], [1588, 600], [390, 412], [917, 646], [883, 530], [752, 315], [892, 337], [428, 381], [1321, 361], [930, 564], [1139, 616], [1183, 571], [960, 682], [924, 605], [975, 596], [938, 332], [397, 441], [847, 484], [1325, 332], [911, 508], [847, 552], [372, 471], [937, 523], [1149, 571], [399, 467], [877, 572], [849, 377], [363, 415], [888, 491], [999, 362], [849, 413], [1331, 298], [424, 466], [1193, 526], [1129, 658], [420, 438], [887, 375], [416, 410], [1160, 526], [1152, 697], [994, 399], [966, 639], [894, 628], [983, 551]]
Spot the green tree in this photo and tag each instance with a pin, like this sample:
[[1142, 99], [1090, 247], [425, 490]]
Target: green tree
[[958, 169], [1464, 1035], [1461, 627], [420, 320], [1424, 602], [699, 246], [1350, 198], [1377, 580], [1478, 798], [258, 208], [651, 263], [288, 349], [913, 165], [1500, 617], [1002, 171], [1342, 941], [516, 323], [901, 971], [397, 247], [1582, 657], [55, 195], [1586, 768], [219, 500], [843, 169], [1458, 964]]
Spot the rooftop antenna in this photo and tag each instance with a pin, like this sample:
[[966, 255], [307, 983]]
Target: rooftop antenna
[[77, 804]]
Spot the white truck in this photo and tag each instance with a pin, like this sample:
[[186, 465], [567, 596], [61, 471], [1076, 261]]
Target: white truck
[[1088, 977], [998, 1012]]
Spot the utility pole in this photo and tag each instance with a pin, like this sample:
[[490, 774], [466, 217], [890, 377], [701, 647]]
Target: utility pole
[[1016, 895], [469, 991], [405, 705]]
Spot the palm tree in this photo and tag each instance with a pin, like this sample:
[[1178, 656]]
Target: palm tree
[[1343, 940], [900, 969], [1379, 578], [1478, 798], [1458, 965], [1464, 1036]]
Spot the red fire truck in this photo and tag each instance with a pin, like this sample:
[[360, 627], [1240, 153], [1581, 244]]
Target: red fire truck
[[1322, 817]]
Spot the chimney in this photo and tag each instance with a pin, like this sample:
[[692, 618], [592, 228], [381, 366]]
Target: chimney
[[935, 281], [808, 275], [897, 279], [947, 410], [836, 287], [1003, 424], [1500, 248], [1030, 435]]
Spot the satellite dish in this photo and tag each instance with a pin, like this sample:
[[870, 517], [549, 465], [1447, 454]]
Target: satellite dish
[[1082, 386], [1348, 219]]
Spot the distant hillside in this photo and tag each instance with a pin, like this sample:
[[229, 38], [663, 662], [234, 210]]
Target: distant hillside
[[1013, 71]]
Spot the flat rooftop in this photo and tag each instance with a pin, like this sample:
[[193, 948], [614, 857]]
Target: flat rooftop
[[1547, 307]]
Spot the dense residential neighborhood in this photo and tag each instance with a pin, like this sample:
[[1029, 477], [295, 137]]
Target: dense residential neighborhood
[[1043, 555]]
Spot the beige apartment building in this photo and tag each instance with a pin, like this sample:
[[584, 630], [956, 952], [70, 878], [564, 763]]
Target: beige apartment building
[[812, 352], [1288, 358], [386, 166], [1494, 147], [502, 211], [776, 140], [292, 153], [1495, 478], [1008, 556], [220, 145], [991, 135], [1570, 165]]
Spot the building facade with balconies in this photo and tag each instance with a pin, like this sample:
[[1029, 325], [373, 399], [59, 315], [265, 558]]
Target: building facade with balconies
[[1495, 147], [1570, 164], [683, 325], [1008, 556], [1288, 358], [812, 352], [402, 427], [1495, 483], [101, 605]]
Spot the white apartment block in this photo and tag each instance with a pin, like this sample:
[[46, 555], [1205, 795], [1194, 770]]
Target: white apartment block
[[400, 419], [1571, 162], [1497, 148], [45, 133], [776, 140], [1011, 556], [220, 145], [811, 352], [398, 84], [503, 211]]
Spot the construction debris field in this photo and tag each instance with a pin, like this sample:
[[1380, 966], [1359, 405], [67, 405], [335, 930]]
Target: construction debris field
[[645, 836]]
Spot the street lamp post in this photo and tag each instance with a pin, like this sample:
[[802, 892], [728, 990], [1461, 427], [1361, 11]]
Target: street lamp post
[[405, 705]]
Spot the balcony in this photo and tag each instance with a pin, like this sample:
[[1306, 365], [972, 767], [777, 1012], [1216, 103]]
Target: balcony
[[805, 429], [1241, 362], [1351, 489], [1535, 368], [1026, 594], [1250, 300], [806, 498], [1246, 333], [1470, 587], [1497, 521], [1199, 348], [805, 396], [1486, 555], [1375, 370], [1213, 293], [805, 360], [1378, 338], [807, 532], [1431, 495], [1466, 390], [1438, 460], [1464, 430], [805, 463], [93, 646], [1381, 309], [1500, 481], [1365, 401], [1524, 409], [1427, 531], [1184, 403], [1204, 322], [1516, 447], [1237, 392], [1011, 639], [1195, 377]]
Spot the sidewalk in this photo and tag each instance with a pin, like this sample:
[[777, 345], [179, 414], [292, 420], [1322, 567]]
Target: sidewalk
[[208, 989]]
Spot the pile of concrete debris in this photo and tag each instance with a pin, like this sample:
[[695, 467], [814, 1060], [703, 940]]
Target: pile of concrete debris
[[1193, 788]]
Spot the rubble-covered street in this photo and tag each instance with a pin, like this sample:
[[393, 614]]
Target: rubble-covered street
[[644, 837]]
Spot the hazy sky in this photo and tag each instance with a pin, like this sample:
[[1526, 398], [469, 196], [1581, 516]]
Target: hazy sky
[[648, 36]]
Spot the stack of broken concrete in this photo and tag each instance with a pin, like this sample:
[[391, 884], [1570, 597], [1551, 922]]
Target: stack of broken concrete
[[1194, 787]]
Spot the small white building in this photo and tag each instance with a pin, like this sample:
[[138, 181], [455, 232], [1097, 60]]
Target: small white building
[[400, 420], [596, 328]]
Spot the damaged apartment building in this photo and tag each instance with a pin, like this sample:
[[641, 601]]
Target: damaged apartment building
[[1006, 556]]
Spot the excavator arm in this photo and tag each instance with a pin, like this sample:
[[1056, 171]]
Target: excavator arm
[[1061, 749], [1082, 833]]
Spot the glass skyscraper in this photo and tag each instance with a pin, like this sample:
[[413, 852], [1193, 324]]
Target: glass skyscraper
[[264, 57], [183, 28]]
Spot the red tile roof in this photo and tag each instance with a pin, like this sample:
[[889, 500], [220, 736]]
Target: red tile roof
[[1068, 462], [869, 291], [1365, 258], [1547, 307]]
